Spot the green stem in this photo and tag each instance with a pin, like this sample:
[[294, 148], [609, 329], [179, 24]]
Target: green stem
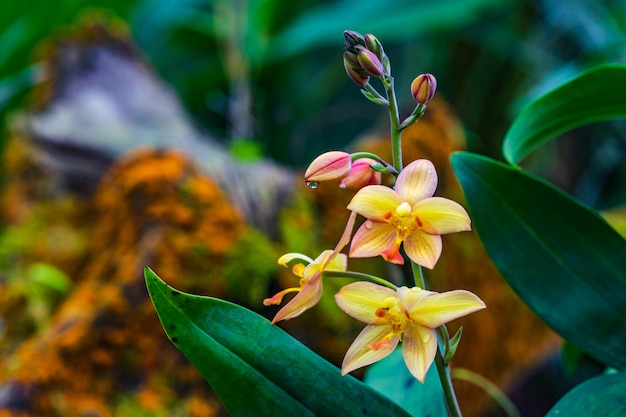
[[359, 276], [489, 387], [394, 118], [446, 384], [442, 367], [418, 272]]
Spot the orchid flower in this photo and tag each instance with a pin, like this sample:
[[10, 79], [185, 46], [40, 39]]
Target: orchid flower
[[309, 291], [408, 214], [410, 315]]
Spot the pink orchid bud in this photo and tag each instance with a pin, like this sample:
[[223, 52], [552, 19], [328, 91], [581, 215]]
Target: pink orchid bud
[[369, 62], [423, 88], [361, 174], [331, 165], [373, 44], [353, 39], [351, 64]]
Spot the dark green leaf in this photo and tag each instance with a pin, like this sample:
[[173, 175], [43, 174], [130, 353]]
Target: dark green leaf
[[392, 378], [562, 258], [603, 396], [596, 95], [253, 366]]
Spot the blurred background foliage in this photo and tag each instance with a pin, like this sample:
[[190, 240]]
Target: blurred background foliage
[[265, 76], [266, 79]]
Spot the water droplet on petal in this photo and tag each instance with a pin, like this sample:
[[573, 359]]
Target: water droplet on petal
[[312, 184], [426, 338], [368, 224]]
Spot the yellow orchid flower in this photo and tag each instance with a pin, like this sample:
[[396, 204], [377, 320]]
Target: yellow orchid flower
[[410, 315], [408, 214], [310, 289]]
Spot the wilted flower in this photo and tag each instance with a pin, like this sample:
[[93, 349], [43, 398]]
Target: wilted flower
[[408, 214], [410, 315]]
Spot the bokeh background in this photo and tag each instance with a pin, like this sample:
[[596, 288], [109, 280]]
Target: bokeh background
[[140, 132]]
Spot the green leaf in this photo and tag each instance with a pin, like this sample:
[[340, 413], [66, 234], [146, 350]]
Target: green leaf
[[565, 262], [602, 396], [392, 378], [596, 95], [255, 367]]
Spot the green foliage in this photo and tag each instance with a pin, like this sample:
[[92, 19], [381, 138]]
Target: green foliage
[[596, 95], [251, 278], [392, 378], [563, 260], [602, 396], [255, 367]]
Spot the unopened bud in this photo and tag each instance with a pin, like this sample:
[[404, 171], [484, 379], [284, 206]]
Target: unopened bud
[[423, 88], [373, 44], [361, 174], [369, 62], [351, 64], [331, 165], [353, 39]]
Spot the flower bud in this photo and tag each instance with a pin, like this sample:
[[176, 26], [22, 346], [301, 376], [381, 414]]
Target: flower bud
[[353, 39], [370, 62], [423, 88], [361, 174], [331, 165], [351, 64], [373, 44]]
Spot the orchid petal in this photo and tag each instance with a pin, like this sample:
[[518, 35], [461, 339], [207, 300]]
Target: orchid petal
[[423, 249], [328, 260], [419, 347], [278, 297], [289, 257], [305, 299], [374, 201], [440, 216], [371, 239], [411, 296], [361, 300], [360, 354], [417, 181], [329, 166], [440, 308], [347, 233]]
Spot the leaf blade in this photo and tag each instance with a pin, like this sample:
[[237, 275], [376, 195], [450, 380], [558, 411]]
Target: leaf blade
[[562, 259], [600, 396], [239, 353], [598, 94]]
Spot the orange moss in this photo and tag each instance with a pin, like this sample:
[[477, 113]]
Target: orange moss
[[152, 208]]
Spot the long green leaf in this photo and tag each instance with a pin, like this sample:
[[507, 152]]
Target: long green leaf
[[603, 396], [565, 262], [596, 95], [253, 366]]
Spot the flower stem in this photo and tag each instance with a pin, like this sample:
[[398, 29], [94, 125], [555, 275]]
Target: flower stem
[[446, 384], [418, 272], [394, 118], [359, 276], [489, 387], [442, 367]]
